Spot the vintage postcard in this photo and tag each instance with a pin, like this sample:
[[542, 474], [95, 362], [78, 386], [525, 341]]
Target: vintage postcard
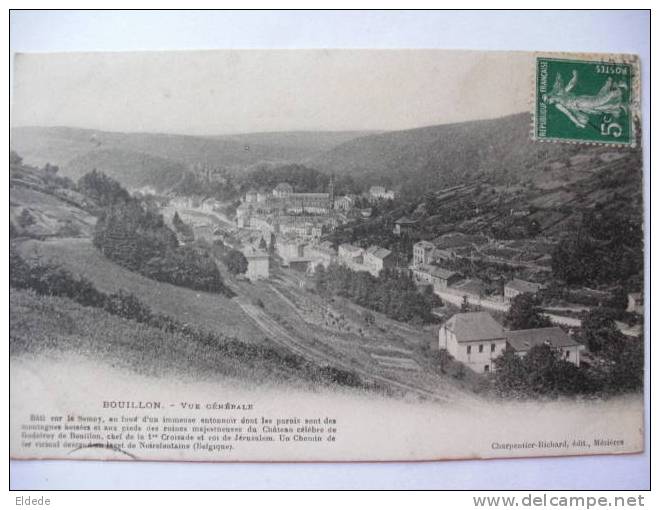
[[326, 255]]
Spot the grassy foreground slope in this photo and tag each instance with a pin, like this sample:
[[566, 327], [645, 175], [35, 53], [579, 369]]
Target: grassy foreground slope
[[54, 326], [212, 312]]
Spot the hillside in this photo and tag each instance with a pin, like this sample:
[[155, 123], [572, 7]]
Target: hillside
[[132, 169], [41, 204], [498, 150], [161, 157]]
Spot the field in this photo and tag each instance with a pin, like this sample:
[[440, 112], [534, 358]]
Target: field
[[55, 328], [397, 358], [212, 312]]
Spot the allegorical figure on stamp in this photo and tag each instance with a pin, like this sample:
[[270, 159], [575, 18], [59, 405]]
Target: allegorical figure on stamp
[[578, 108]]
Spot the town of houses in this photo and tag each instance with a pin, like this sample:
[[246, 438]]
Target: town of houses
[[296, 223]]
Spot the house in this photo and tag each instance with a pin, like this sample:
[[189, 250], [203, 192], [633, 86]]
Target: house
[[251, 196], [210, 205], [320, 254], [472, 287], [345, 203], [283, 190], [380, 193], [289, 248], [521, 341], [263, 195], [422, 253], [438, 277], [404, 225], [516, 287], [243, 213], [452, 244], [475, 339], [258, 264], [376, 259], [635, 303], [349, 253]]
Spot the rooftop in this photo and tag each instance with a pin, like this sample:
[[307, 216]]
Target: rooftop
[[425, 245], [524, 339], [438, 272], [378, 252], [350, 248], [404, 220], [523, 286], [475, 326]]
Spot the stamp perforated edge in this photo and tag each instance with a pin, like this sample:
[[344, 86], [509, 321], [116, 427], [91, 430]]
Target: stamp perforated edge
[[606, 58]]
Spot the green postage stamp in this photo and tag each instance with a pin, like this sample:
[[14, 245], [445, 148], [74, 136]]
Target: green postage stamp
[[584, 101]]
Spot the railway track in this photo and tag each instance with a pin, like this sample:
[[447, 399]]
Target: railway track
[[278, 334]]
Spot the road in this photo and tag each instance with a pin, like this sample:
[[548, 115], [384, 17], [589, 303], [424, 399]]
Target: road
[[503, 306]]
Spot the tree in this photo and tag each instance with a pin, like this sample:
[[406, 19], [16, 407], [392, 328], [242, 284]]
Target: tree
[[624, 364], [465, 305], [177, 222], [599, 329], [236, 262], [525, 314], [263, 245], [102, 189], [541, 371], [511, 374]]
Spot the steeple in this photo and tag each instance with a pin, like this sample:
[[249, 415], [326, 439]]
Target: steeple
[[331, 191]]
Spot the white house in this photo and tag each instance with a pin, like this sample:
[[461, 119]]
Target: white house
[[516, 287], [283, 190], [522, 340], [439, 277], [422, 253], [320, 254], [258, 264], [350, 254], [345, 203], [289, 248], [251, 196], [380, 193], [475, 339], [376, 259]]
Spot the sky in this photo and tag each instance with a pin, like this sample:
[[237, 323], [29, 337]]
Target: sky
[[243, 91]]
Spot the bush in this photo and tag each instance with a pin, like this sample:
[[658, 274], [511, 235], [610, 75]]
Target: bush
[[236, 262], [102, 189], [128, 306]]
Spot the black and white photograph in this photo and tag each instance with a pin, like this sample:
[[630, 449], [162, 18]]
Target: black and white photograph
[[326, 255]]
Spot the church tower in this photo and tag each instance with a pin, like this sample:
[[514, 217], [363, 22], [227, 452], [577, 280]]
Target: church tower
[[331, 191]]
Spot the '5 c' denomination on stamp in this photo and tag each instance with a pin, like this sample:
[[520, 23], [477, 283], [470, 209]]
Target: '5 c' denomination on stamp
[[584, 101]]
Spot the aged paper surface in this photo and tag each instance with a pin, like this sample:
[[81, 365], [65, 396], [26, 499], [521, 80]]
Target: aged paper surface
[[325, 255]]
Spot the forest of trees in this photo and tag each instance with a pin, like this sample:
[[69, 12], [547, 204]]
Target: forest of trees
[[303, 179], [392, 293], [607, 247], [137, 238], [619, 365]]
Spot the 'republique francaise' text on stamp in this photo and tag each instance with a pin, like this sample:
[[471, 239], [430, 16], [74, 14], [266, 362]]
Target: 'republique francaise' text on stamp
[[584, 101]]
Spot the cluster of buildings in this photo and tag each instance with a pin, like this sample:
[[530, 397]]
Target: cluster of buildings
[[476, 339], [282, 211], [195, 202], [372, 260], [381, 193], [427, 267], [301, 255]]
